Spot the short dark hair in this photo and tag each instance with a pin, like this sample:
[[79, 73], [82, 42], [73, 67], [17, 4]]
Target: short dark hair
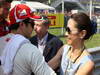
[[83, 23], [14, 26], [26, 21]]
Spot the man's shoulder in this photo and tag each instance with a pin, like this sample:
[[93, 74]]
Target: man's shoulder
[[54, 36], [54, 39], [51, 36], [33, 37], [28, 45], [9, 35], [28, 48], [3, 38]]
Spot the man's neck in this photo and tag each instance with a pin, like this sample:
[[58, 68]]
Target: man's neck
[[42, 36]]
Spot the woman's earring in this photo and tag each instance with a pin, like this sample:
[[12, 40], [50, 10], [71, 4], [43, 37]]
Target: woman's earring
[[81, 37]]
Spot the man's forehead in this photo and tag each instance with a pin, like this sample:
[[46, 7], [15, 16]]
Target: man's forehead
[[39, 22]]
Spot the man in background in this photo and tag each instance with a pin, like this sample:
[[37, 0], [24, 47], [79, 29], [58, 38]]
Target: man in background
[[47, 43]]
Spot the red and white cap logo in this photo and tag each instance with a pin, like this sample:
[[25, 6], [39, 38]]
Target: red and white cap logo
[[21, 12]]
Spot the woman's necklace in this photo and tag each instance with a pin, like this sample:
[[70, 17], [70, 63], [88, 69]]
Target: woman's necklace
[[82, 50], [70, 62]]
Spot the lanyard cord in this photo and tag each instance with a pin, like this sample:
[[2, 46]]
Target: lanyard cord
[[74, 60], [79, 55]]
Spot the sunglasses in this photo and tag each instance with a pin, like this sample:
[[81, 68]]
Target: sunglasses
[[70, 31]]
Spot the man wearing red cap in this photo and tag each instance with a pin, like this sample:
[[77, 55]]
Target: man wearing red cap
[[20, 57]]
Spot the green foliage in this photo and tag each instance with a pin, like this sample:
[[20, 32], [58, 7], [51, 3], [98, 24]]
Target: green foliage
[[93, 42], [56, 31]]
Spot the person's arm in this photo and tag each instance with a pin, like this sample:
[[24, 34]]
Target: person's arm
[[55, 61], [86, 69], [38, 64]]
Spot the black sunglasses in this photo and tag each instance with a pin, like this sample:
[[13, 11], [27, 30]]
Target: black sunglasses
[[68, 30]]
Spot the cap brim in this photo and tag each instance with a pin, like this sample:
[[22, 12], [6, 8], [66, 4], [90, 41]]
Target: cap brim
[[35, 17]]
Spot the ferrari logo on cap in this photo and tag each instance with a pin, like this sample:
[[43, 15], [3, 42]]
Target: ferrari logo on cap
[[23, 13]]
